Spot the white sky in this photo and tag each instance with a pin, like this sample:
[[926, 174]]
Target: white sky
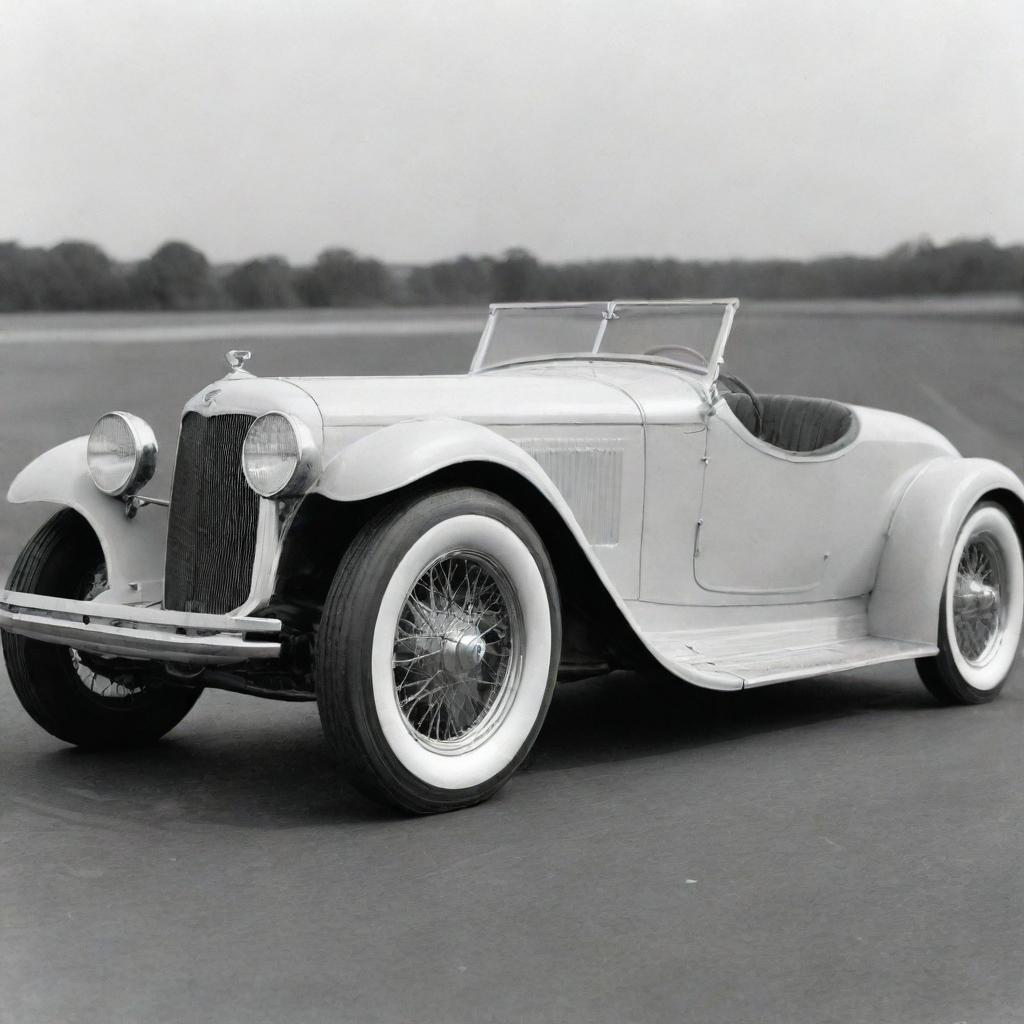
[[418, 130]]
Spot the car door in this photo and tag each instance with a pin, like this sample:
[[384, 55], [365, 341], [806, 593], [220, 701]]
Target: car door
[[767, 517]]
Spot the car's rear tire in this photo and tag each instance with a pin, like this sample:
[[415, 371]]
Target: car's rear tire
[[66, 694], [981, 611], [438, 649]]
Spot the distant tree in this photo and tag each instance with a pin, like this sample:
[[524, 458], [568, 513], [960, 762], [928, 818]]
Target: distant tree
[[24, 278], [79, 275], [910, 249], [82, 276], [264, 283], [342, 278], [467, 279], [176, 276], [971, 265], [518, 277]]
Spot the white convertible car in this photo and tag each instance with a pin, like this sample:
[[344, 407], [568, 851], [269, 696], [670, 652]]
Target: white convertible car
[[423, 556]]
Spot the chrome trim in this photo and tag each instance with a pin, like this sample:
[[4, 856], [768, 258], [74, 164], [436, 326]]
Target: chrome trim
[[146, 451], [606, 317], [485, 341], [718, 351], [142, 500], [236, 359], [274, 519], [131, 631]]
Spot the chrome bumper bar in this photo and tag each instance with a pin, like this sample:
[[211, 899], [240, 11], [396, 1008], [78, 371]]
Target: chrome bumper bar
[[131, 631]]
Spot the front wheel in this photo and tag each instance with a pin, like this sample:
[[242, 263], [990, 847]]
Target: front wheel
[[438, 650], [981, 611], [82, 699]]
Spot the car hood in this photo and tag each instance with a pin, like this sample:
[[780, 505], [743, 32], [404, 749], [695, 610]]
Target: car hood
[[338, 410], [493, 399]]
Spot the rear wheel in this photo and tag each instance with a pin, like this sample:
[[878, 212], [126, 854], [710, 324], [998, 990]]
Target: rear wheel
[[80, 698], [438, 649], [981, 611]]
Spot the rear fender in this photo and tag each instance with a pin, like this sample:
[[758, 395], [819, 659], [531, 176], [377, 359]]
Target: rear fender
[[905, 601], [133, 548]]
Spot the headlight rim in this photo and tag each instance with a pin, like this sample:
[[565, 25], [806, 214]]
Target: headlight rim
[[146, 451], [307, 465]]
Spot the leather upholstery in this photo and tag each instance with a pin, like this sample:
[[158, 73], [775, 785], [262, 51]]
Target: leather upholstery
[[797, 424]]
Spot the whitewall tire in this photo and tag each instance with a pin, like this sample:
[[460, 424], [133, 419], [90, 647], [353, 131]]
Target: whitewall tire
[[438, 650], [981, 611]]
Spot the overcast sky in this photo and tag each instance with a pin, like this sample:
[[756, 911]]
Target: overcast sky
[[419, 130]]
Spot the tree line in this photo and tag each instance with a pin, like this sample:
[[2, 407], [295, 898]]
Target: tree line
[[80, 276]]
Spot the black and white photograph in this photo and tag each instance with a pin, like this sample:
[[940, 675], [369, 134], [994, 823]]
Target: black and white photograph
[[511, 512]]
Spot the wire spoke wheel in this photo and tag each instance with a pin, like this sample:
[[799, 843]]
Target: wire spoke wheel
[[981, 610], [103, 683], [438, 649], [979, 606], [456, 652]]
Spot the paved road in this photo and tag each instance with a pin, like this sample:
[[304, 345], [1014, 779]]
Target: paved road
[[834, 850]]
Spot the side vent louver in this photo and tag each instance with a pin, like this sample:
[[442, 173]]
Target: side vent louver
[[588, 473]]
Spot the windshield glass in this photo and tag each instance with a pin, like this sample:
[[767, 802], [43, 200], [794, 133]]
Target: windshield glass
[[688, 332]]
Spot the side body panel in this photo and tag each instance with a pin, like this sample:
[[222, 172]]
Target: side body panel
[[812, 527]]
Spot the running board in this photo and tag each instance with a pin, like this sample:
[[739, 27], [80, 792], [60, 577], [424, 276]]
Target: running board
[[756, 654]]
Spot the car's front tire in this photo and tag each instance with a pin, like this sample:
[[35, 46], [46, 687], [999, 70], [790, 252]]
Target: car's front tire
[[981, 612], [75, 698], [438, 650]]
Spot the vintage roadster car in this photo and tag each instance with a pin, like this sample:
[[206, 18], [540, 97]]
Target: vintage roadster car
[[424, 556]]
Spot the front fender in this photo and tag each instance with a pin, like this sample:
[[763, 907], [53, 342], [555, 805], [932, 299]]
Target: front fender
[[402, 453], [133, 548], [905, 601]]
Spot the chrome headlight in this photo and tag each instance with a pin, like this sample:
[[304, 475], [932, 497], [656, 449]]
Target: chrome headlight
[[121, 453], [280, 456]]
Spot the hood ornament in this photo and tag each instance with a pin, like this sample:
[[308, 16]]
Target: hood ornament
[[236, 359]]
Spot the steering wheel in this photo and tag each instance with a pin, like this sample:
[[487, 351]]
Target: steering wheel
[[734, 384], [659, 350]]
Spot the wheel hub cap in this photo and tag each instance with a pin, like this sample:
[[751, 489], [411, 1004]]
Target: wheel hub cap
[[462, 655]]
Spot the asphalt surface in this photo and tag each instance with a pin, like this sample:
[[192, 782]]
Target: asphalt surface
[[831, 850]]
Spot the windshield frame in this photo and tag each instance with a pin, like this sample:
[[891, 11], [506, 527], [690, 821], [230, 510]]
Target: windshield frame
[[608, 313]]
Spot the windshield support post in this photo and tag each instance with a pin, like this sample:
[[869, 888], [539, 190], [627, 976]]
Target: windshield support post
[[718, 352], [608, 314], [485, 339]]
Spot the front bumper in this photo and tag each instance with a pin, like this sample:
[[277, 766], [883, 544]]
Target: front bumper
[[134, 631]]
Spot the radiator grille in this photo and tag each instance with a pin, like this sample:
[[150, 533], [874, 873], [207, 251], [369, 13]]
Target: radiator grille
[[211, 533]]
